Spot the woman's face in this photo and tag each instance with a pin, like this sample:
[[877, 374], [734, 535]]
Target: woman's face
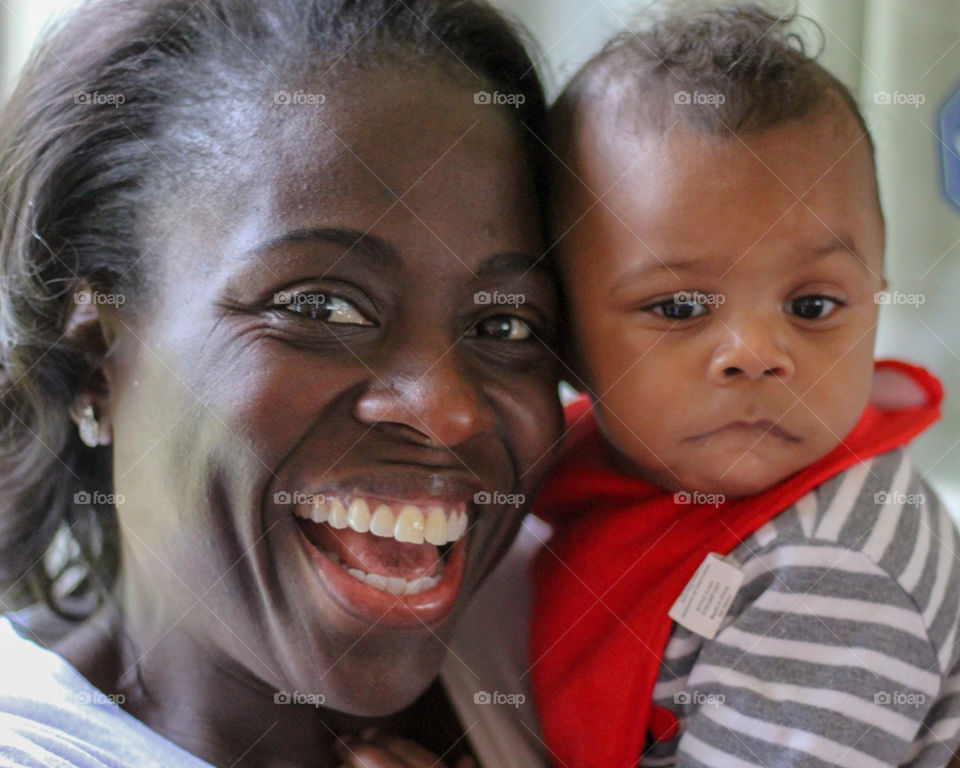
[[390, 212]]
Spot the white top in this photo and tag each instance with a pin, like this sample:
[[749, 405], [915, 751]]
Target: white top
[[51, 716]]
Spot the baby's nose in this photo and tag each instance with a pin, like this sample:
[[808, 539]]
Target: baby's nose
[[750, 352]]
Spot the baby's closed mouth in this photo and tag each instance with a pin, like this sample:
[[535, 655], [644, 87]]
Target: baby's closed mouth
[[761, 428]]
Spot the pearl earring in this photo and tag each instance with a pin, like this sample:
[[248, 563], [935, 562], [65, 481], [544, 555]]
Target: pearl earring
[[89, 428]]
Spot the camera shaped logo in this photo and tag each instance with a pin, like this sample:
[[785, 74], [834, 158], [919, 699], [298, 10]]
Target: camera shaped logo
[[281, 497], [899, 298], [897, 98], [900, 498], [699, 497], [516, 500], [99, 99], [99, 698], [515, 700], [899, 699], [298, 697], [698, 698], [485, 298], [98, 497], [97, 297], [515, 100], [684, 98], [696, 297]]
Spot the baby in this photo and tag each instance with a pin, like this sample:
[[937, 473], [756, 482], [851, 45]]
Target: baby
[[745, 569]]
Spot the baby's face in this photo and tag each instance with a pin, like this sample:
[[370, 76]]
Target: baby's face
[[721, 296]]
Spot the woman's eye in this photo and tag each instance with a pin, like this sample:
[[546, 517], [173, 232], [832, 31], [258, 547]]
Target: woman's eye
[[502, 328], [680, 308], [325, 308], [813, 307]]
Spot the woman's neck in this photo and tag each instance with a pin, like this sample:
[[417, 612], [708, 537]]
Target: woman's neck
[[219, 711]]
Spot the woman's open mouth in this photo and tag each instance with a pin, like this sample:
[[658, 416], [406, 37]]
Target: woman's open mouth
[[386, 561]]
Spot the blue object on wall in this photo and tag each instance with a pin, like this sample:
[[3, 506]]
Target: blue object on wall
[[950, 147]]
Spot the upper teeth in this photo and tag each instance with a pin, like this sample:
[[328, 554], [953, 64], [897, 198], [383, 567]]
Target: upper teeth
[[437, 524]]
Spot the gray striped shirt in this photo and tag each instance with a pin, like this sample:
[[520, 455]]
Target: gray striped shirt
[[841, 646]]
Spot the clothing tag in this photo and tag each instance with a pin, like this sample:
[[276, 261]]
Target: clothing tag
[[707, 597]]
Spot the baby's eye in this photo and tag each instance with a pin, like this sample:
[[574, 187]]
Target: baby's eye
[[813, 307], [324, 308], [502, 328], [680, 307]]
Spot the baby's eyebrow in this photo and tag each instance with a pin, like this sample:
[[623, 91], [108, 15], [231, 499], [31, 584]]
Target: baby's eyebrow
[[837, 244]]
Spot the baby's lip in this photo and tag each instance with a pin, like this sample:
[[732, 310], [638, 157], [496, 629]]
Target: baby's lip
[[762, 427]]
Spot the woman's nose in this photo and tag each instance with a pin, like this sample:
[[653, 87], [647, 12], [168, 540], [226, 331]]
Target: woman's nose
[[750, 350], [437, 401]]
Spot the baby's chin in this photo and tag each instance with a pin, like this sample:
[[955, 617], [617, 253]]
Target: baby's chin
[[748, 477]]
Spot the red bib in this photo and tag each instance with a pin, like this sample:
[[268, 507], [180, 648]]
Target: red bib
[[621, 554]]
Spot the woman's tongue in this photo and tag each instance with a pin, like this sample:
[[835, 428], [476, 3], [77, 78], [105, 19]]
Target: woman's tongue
[[383, 555]]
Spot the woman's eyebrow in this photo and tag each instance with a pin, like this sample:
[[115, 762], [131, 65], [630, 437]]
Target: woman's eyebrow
[[369, 247], [510, 263], [381, 254]]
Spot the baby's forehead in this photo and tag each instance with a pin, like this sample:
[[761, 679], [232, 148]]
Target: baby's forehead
[[608, 151]]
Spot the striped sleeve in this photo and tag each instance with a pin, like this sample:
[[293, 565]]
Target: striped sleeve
[[824, 668]]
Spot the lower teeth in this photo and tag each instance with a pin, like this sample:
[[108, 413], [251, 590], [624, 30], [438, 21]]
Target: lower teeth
[[391, 584]]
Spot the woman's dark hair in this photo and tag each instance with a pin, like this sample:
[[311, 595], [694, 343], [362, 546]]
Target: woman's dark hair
[[117, 107]]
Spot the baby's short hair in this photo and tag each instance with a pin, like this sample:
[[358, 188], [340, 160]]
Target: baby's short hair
[[733, 69]]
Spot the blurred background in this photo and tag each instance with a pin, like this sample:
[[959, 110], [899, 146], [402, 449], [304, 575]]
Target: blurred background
[[900, 57]]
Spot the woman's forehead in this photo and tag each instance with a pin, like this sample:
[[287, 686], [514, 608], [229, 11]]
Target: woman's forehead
[[458, 182]]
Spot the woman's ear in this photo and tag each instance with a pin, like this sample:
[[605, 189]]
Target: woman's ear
[[88, 328]]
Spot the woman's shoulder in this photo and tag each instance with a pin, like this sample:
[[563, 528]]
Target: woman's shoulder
[[51, 715]]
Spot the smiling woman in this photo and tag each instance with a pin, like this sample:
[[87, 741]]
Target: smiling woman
[[257, 251]]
